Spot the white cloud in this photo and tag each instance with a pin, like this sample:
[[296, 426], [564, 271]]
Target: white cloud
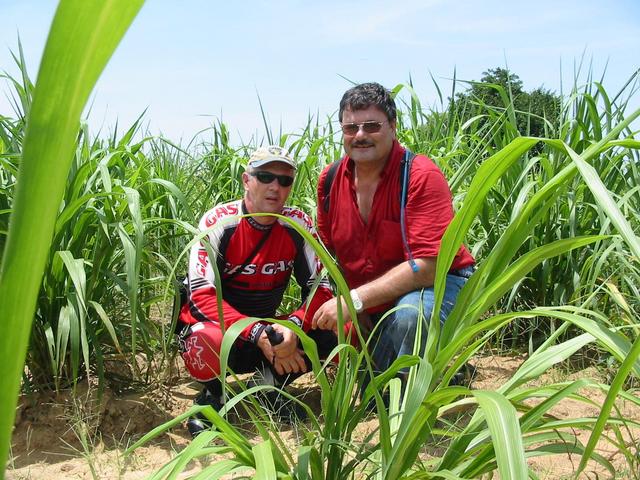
[[351, 22]]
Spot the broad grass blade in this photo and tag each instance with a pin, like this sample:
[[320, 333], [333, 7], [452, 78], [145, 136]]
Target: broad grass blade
[[604, 199], [617, 385], [82, 38], [505, 433], [486, 177], [192, 451], [265, 468]]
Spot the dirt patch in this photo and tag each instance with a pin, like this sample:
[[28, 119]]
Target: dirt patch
[[74, 435], [494, 371]]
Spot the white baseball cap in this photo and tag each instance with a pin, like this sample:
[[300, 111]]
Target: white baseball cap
[[271, 153]]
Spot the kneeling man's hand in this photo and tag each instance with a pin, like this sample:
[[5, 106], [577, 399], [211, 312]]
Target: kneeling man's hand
[[286, 357], [326, 317]]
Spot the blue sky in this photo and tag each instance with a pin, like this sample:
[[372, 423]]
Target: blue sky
[[191, 63]]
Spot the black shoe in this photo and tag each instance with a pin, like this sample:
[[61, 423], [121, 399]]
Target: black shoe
[[464, 376], [199, 423], [283, 409]]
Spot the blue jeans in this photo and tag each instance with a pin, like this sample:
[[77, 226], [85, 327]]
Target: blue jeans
[[396, 335]]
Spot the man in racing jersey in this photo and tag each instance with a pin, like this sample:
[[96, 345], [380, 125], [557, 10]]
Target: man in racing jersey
[[254, 257]]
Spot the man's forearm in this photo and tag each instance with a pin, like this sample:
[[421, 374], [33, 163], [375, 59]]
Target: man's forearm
[[385, 289], [397, 281]]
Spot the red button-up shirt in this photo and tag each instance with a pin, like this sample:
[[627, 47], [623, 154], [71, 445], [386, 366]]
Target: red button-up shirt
[[365, 251]]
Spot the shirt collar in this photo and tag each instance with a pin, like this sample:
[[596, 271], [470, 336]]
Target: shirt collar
[[253, 222], [394, 159]]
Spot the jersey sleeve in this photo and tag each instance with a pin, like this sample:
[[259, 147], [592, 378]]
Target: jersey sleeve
[[203, 298], [307, 269]]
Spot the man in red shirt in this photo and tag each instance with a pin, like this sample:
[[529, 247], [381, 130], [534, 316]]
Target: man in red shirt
[[359, 220], [253, 258]]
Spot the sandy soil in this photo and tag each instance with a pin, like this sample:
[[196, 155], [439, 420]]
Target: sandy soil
[[59, 437]]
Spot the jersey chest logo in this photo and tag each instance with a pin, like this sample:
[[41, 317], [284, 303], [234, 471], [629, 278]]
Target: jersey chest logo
[[272, 268]]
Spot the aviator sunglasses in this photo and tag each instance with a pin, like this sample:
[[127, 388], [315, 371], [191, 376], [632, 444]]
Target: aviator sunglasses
[[368, 127], [268, 177]]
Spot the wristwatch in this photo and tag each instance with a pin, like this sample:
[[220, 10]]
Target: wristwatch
[[357, 301]]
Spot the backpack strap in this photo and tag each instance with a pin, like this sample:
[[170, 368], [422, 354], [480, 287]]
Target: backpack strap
[[405, 172], [328, 181], [250, 257]]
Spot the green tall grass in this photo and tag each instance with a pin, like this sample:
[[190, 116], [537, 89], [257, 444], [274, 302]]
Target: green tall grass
[[496, 438], [81, 40], [553, 222]]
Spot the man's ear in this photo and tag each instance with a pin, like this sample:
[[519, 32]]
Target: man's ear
[[245, 180]]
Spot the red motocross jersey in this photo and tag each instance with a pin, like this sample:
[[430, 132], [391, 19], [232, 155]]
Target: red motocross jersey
[[252, 285]]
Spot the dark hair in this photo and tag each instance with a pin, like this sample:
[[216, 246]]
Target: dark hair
[[365, 95]]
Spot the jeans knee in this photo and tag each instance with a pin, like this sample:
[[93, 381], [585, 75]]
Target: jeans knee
[[408, 317], [404, 329], [405, 320]]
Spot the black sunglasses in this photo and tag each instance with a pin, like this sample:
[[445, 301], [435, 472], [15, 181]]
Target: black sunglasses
[[268, 177], [368, 127]]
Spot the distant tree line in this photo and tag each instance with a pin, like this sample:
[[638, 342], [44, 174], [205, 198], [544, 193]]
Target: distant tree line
[[535, 113]]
